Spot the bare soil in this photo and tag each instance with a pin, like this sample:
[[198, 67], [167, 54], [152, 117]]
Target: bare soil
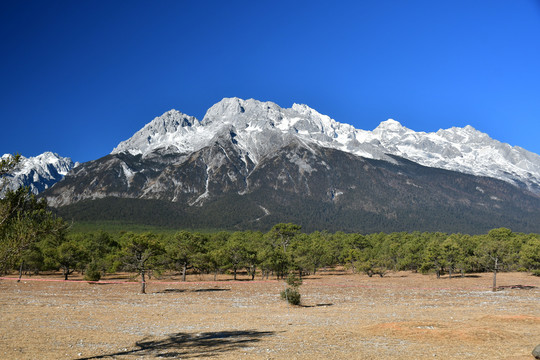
[[343, 316]]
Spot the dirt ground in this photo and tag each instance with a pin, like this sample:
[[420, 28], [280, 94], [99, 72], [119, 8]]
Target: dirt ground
[[343, 316]]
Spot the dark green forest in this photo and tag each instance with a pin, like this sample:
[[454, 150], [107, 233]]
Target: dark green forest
[[235, 212]]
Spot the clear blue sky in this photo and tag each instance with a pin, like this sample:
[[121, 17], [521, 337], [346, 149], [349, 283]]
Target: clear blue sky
[[78, 77]]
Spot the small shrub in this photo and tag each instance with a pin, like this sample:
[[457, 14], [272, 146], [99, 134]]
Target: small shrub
[[92, 272], [536, 272], [291, 295]]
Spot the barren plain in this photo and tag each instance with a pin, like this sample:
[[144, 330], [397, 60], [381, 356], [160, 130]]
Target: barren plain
[[343, 316]]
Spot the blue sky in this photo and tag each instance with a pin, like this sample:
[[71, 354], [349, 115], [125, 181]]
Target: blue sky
[[78, 77]]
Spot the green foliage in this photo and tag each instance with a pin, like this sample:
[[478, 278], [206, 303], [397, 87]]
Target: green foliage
[[282, 234], [494, 250], [294, 281], [92, 272], [184, 250], [530, 254], [23, 221], [70, 256], [291, 295], [140, 253], [281, 251], [373, 254], [7, 164]]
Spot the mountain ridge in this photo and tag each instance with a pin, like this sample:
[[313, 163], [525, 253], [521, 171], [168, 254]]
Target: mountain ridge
[[255, 123]]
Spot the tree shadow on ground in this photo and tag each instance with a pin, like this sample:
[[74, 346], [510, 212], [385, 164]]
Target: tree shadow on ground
[[519, 287], [316, 305], [169, 291], [211, 290], [202, 345]]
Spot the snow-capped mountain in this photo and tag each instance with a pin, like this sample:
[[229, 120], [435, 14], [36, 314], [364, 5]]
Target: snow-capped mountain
[[252, 164], [260, 128], [39, 172]]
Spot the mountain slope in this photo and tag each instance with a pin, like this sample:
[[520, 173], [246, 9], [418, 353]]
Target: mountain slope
[[319, 188]]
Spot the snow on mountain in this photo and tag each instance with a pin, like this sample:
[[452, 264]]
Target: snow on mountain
[[39, 172], [465, 150], [259, 128], [171, 130]]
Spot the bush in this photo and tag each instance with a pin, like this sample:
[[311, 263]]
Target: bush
[[536, 272], [92, 272], [291, 295]]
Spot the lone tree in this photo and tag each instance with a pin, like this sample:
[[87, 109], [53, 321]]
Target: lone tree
[[140, 253]]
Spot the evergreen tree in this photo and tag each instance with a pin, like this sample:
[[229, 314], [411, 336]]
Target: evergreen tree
[[183, 250], [23, 220], [494, 250], [140, 253], [530, 254]]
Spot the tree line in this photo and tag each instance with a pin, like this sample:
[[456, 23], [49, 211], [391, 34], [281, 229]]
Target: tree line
[[280, 251]]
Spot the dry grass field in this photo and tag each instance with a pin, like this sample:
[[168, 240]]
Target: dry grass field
[[343, 316]]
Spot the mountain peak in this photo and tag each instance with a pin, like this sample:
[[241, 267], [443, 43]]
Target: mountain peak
[[157, 133], [238, 111], [390, 125]]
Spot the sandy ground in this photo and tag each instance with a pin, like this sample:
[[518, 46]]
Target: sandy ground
[[344, 316]]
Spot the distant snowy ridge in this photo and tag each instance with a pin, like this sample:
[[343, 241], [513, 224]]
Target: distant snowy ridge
[[39, 172], [258, 128]]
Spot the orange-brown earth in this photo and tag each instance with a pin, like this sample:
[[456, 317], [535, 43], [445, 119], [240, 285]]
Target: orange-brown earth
[[343, 316]]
